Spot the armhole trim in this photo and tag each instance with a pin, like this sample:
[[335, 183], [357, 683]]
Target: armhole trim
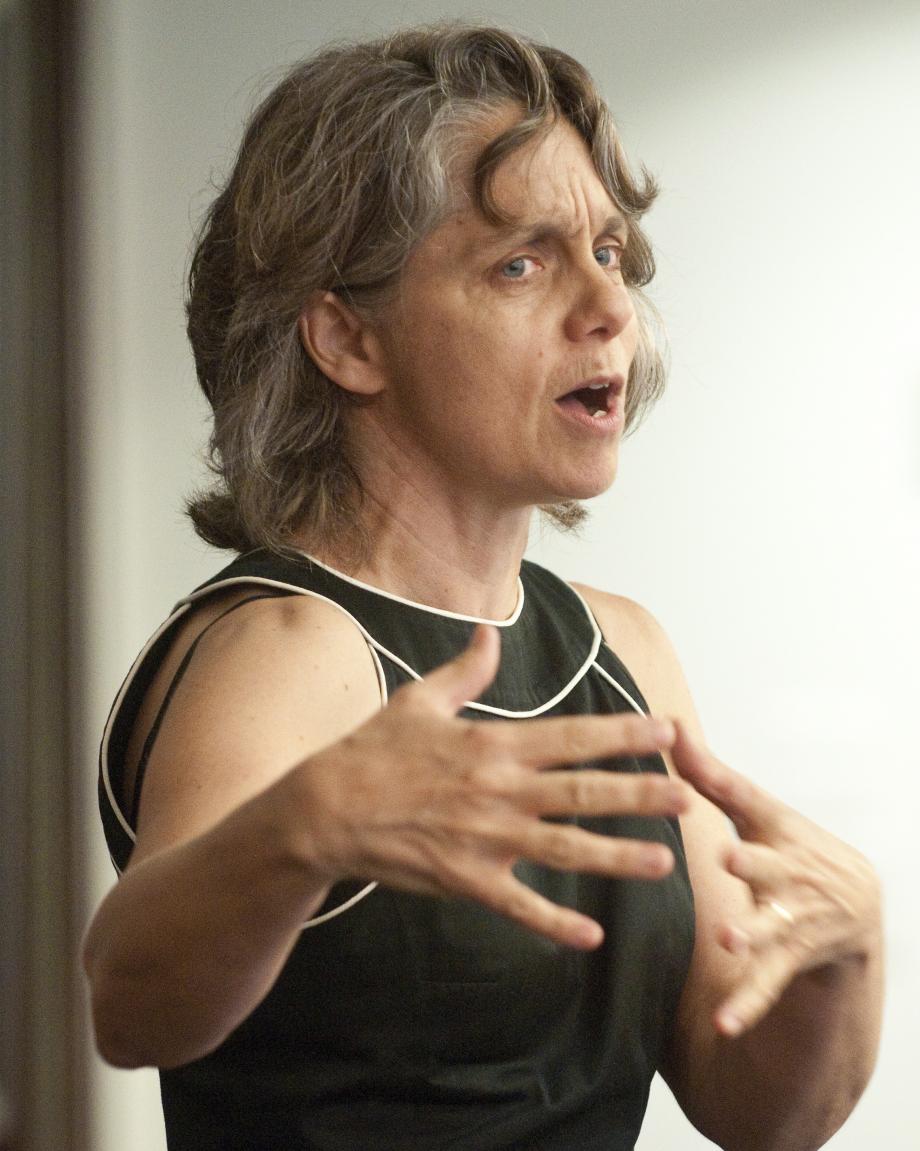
[[181, 609], [114, 805], [153, 733], [619, 687], [348, 903], [596, 664], [378, 647]]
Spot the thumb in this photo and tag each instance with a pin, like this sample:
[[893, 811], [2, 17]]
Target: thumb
[[466, 677]]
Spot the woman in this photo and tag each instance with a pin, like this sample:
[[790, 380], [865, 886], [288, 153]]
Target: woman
[[416, 312]]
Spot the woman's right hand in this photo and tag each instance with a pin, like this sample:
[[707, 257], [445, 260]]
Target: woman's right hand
[[420, 799]]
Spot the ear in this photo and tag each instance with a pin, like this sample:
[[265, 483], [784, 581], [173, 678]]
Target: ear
[[342, 346]]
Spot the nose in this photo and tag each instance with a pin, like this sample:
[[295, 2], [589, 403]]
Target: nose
[[601, 305]]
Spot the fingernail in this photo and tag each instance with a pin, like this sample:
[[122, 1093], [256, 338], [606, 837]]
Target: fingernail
[[729, 1023], [590, 934], [664, 730], [657, 860], [682, 793]]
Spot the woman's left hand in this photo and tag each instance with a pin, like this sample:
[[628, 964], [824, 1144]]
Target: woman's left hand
[[815, 900]]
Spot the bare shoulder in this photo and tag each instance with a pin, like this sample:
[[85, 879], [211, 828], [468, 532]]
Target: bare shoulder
[[270, 682], [300, 634], [644, 647]]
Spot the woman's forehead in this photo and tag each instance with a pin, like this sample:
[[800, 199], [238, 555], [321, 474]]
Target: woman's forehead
[[548, 187]]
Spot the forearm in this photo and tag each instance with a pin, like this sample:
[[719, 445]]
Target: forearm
[[191, 939], [790, 1082]]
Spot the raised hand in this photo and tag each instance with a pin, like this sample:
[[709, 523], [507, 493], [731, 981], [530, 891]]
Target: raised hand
[[815, 900], [420, 799]]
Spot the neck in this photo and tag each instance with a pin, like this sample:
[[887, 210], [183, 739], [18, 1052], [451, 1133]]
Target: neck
[[456, 554]]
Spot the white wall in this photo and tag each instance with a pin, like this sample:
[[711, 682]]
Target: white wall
[[768, 512]]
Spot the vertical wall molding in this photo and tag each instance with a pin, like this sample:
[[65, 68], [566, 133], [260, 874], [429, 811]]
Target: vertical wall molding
[[40, 1020]]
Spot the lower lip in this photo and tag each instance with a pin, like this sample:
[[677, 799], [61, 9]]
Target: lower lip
[[574, 410]]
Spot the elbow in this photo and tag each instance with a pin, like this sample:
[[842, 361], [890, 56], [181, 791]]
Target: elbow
[[116, 1042], [116, 1015], [797, 1132], [111, 1033], [117, 1037], [128, 1037], [123, 1042]]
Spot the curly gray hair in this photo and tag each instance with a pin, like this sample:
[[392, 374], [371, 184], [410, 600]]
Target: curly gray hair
[[344, 167]]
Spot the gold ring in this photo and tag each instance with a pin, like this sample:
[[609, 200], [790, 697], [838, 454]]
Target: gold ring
[[783, 912]]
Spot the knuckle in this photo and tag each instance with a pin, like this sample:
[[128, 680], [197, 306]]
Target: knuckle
[[768, 993], [642, 858], [452, 873], [636, 728], [489, 778], [581, 792], [480, 740], [571, 735], [412, 698], [800, 948], [517, 905], [650, 791], [558, 848]]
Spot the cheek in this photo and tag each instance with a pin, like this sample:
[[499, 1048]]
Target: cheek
[[629, 340]]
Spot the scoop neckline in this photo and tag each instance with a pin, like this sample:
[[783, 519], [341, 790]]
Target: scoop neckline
[[443, 612]]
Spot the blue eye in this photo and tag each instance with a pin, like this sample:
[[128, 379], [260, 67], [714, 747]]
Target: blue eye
[[608, 256], [516, 268]]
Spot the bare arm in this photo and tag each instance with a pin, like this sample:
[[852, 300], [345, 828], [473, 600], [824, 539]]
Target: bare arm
[[195, 932], [265, 789], [778, 1026]]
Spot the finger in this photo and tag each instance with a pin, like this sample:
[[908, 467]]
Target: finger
[[762, 867], [508, 896], [575, 739], [465, 678], [753, 811], [766, 981], [600, 793], [567, 848], [770, 923]]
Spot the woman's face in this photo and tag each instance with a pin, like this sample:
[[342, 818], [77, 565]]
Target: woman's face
[[509, 346]]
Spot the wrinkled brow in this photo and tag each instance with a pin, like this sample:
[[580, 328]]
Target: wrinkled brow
[[540, 231]]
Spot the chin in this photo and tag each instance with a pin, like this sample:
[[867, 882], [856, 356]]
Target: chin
[[587, 487]]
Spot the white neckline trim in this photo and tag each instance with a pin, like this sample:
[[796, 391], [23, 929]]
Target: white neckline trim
[[513, 618], [180, 610], [374, 647]]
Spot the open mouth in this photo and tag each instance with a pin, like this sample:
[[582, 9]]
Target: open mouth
[[596, 398]]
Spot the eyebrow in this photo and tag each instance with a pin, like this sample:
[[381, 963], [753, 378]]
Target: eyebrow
[[537, 231]]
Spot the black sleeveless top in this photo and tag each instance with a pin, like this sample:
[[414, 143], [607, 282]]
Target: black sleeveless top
[[410, 1023]]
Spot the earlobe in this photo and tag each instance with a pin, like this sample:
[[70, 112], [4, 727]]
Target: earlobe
[[341, 344]]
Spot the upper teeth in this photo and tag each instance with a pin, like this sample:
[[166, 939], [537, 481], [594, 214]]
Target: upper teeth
[[596, 387]]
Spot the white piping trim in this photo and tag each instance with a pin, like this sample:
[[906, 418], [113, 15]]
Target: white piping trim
[[385, 651], [116, 707], [318, 919], [181, 609], [622, 690], [381, 676], [423, 606], [550, 703], [606, 674], [340, 908], [374, 647]]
